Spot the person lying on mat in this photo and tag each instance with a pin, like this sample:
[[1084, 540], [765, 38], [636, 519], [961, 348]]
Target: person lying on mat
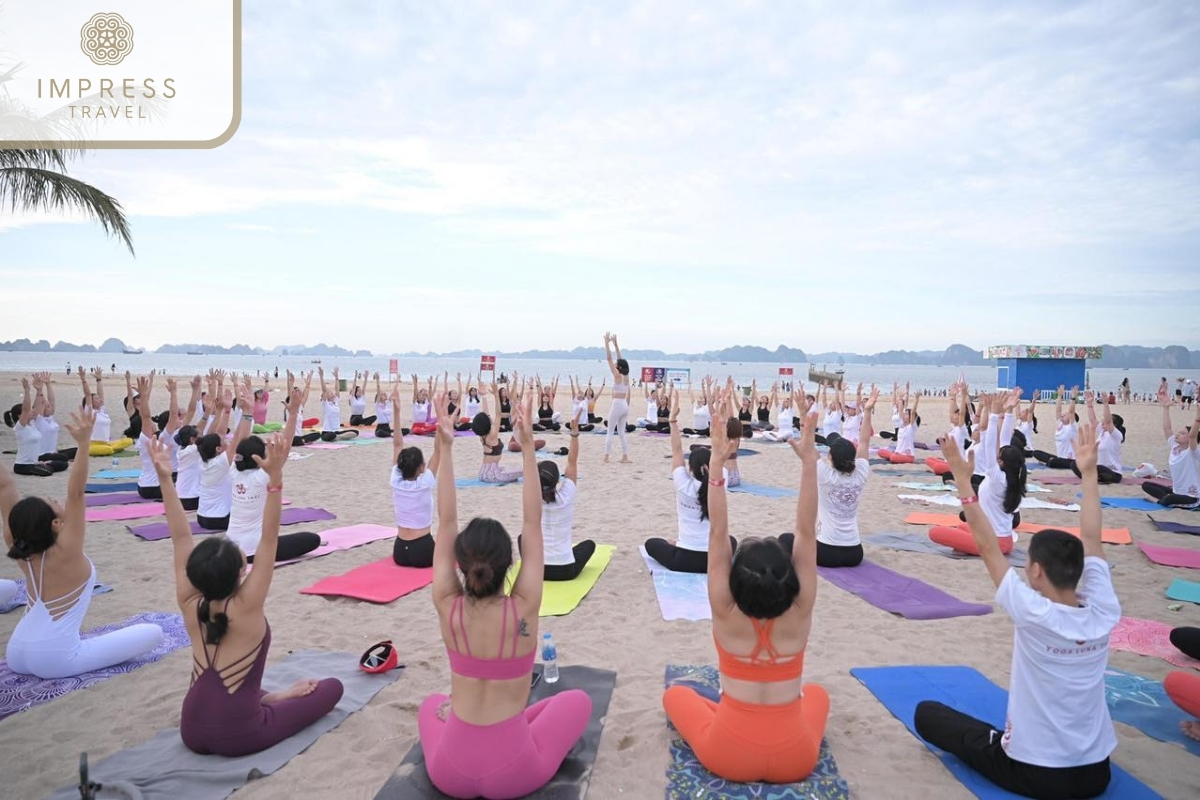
[[412, 497], [1003, 486], [840, 482], [483, 740], [217, 459], [1183, 459], [1058, 735], [1183, 687], [689, 553], [225, 711], [102, 446], [768, 725], [46, 541], [562, 561], [906, 435], [331, 409], [251, 487], [1065, 427]]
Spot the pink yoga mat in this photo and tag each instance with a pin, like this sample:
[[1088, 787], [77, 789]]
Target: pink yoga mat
[[378, 582], [1171, 556], [325, 446], [135, 511], [1148, 637], [344, 539]]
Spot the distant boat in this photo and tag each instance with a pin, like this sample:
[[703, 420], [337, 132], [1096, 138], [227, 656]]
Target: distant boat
[[315, 361], [823, 376], [136, 352], [195, 353]]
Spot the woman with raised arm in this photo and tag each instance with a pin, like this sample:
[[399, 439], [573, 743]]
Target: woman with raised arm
[[768, 724], [423, 421], [29, 441], [852, 415], [472, 404], [618, 414], [148, 487], [1183, 459], [1027, 423], [546, 416], [484, 740], [1003, 486], [906, 435], [592, 396], [654, 401], [762, 421], [217, 459], [261, 403], [358, 404], [689, 553], [1110, 435], [301, 438], [412, 498], [1065, 430], [187, 455], [701, 415], [225, 711], [563, 562], [487, 430], [48, 427], [331, 409], [384, 411], [959, 429], [102, 446], [579, 405], [46, 541]]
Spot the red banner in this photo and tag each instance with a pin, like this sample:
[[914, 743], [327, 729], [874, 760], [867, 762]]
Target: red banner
[[785, 371], [394, 367], [487, 363]]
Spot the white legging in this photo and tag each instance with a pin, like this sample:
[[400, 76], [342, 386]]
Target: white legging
[[8, 591], [69, 655], [618, 416]]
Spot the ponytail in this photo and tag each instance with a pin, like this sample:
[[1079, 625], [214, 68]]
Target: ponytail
[[215, 627], [1012, 462], [548, 477], [698, 461]]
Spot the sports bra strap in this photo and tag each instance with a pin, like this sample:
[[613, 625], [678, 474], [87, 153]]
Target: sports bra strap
[[458, 608], [763, 631]]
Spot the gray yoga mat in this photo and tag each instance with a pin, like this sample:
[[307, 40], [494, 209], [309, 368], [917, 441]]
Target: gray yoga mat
[[920, 543], [163, 769], [570, 782]]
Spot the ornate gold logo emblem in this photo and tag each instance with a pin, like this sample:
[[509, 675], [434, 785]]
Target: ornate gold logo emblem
[[106, 39]]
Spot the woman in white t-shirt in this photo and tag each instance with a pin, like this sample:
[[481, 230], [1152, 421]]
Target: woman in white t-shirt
[[412, 498], [689, 553], [701, 415], [48, 427], [358, 404], [424, 418], [216, 464], [187, 481], [1110, 435], [148, 485], [906, 435], [1065, 430], [1183, 459], [29, 440], [563, 562], [960, 428], [331, 411], [383, 412], [101, 444]]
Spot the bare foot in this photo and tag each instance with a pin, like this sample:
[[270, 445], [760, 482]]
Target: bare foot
[[626, 460], [297, 689], [606, 459], [1191, 729]]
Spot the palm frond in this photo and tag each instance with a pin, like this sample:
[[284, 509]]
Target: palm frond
[[36, 189]]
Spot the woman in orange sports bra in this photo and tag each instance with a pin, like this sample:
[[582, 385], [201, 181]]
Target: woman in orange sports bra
[[767, 725]]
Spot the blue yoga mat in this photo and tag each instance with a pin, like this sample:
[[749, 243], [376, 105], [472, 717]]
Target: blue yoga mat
[[1175, 527], [1184, 590], [471, 483], [1130, 503], [968, 691], [108, 488], [1144, 704], [762, 491], [117, 473]]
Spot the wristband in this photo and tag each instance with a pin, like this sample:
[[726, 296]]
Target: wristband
[[966, 501], [274, 489], [716, 483]]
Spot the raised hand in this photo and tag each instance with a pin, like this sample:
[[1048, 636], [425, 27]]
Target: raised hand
[[160, 455], [962, 468], [1086, 448], [277, 455], [523, 421], [445, 423]]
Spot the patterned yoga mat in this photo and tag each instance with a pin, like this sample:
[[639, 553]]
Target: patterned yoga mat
[[22, 692]]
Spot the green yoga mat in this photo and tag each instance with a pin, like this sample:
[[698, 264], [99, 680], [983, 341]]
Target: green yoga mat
[[1184, 590], [270, 427], [561, 597]]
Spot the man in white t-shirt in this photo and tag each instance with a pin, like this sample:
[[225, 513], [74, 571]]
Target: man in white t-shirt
[[1058, 735]]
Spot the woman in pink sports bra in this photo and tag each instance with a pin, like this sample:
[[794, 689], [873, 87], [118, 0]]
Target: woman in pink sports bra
[[483, 740]]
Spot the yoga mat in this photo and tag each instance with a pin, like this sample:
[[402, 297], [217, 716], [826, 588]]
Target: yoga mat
[[163, 769], [21, 692], [762, 490], [900, 594], [21, 598], [1026, 503], [894, 473], [346, 538], [964, 689], [117, 473], [1148, 637], [687, 778], [681, 595], [1144, 704], [1175, 527], [378, 582], [1071, 480], [139, 511], [270, 427], [156, 531], [327, 446], [475, 483], [114, 499], [921, 543], [927, 487], [654, 435], [372, 439], [1107, 535], [105, 488], [1171, 556], [1184, 590], [1130, 503], [569, 783], [561, 597]]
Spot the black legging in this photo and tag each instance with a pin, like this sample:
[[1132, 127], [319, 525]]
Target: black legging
[[547, 425], [40, 469], [308, 438], [413, 552], [359, 419], [658, 427], [567, 572], [59, 455], [1166, 497], [293, 545], [150, 492], [332, 436], [677, 559], [383, 431], [979, 745], [213, 523], [697, 431], [828, 555], [189, 503], [1187, 640], [1104, 474]]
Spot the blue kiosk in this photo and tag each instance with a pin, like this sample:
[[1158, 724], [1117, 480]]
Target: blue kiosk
[[1041, 369]]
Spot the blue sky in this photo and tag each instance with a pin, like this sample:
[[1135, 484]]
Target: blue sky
[[435, 176]]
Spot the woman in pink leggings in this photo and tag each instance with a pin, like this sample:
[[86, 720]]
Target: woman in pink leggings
[[482, 740]]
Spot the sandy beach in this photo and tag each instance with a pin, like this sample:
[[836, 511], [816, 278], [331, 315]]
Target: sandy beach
[[617, 626]]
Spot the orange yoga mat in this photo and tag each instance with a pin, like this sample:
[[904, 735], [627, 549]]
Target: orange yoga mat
[[1107, 535]]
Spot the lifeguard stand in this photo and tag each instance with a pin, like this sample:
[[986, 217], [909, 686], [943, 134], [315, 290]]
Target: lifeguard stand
[[1040, 368]]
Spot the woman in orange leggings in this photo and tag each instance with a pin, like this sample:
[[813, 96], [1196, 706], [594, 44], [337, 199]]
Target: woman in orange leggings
[[767, 726], [1184, 687]]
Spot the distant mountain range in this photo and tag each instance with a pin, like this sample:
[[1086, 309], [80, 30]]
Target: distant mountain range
[[1117, 356]]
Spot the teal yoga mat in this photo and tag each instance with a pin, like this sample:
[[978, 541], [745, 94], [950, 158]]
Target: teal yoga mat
[[1144, 704], [1184, 590], [762, 490], [117, 473], [968, 691]]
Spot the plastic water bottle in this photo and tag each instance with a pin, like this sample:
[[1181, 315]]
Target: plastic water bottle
[[549, 659], [116, 461]]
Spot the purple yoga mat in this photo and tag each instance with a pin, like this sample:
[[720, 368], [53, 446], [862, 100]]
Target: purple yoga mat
[[1171, 556], [290, 516], [1175, 527], [20, 692], [900, 594], [114, 499]]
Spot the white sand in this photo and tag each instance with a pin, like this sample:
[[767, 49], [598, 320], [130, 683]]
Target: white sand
[[618, 626]]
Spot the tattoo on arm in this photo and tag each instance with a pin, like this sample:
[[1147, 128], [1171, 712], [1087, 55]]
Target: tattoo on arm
[[523, 627]]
